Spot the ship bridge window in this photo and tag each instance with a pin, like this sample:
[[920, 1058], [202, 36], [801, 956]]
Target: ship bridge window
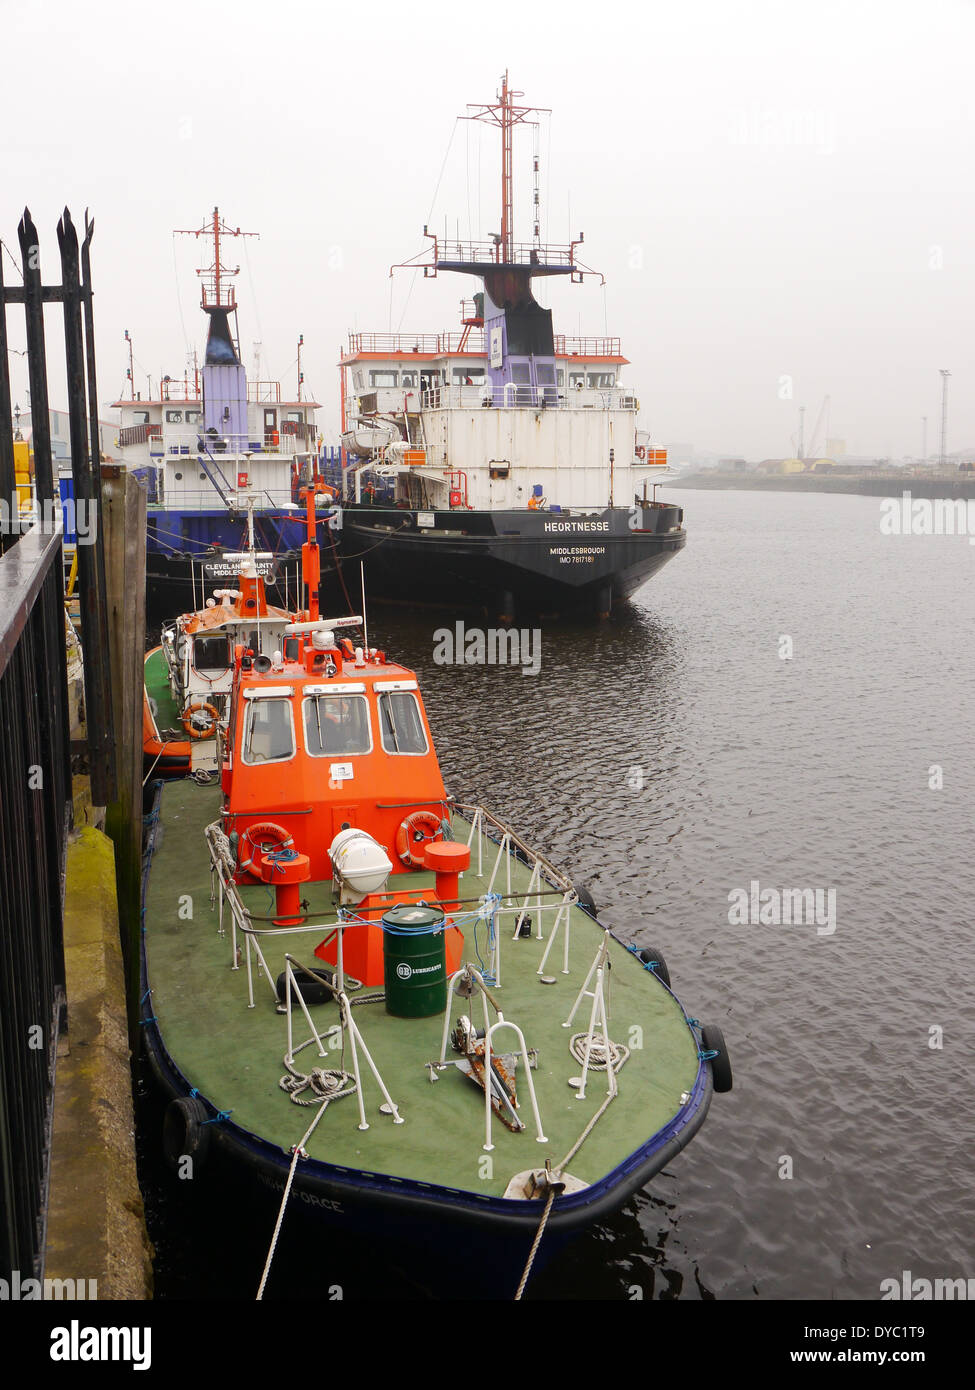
[[468, 376], [337, 724], [358, 380], [400, 723], [383, 378], [269, 732], [212, 653], [140, 417], [409, 379], [174, 417], [601, 381], [192, 417], [521, 373], [577, 380]]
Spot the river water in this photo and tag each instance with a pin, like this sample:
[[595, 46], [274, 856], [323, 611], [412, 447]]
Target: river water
[[787, 705]]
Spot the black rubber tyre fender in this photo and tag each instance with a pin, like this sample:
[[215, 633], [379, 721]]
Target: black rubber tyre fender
[[185, 1135], [586, 901], [310, 986], [650, 953], [712, 1040]]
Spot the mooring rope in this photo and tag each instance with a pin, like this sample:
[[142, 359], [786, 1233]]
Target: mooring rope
[[536, 1243], [299, 1151]]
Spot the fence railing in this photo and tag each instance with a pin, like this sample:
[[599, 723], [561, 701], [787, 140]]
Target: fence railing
[[35, 790]]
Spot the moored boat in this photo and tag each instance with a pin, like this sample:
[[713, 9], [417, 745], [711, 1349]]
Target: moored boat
[[410, 1029], [518, 477]]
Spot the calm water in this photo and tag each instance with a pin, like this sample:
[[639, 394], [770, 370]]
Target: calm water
[[809, 773]]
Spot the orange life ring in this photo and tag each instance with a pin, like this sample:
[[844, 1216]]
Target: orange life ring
[[410, 833], [187, 720], [264, 828]]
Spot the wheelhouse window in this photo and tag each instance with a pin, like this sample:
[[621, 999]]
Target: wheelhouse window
[[601, 381], [192, 417], [269, 732], [336, 724], [383, 378], [468, 376], [401, 724], [174, 417], [409, 380], [212, 653]]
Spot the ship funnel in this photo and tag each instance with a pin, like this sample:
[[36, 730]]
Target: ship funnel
[[220, 351]]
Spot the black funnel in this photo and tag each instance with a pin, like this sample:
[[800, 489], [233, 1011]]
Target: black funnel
[[220, 345]]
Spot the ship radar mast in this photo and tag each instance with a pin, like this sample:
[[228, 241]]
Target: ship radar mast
[[218, 296], [502, 252], [504, 114]]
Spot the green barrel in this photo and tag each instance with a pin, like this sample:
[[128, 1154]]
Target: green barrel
[[414, 960]]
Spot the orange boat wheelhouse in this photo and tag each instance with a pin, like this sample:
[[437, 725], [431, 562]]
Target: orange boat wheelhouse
[[324, 740]]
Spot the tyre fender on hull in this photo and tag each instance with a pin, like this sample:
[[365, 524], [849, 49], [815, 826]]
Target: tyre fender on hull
[[712, 1040], [185, 1132], [658, 966]]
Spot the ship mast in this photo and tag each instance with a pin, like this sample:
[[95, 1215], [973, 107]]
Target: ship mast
[[505, 114], [214, 293]]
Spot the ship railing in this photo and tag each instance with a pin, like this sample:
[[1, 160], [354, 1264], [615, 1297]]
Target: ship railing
[[520, 253], [586, 347], [175, 444], [515, 396], [469, 343], [548, 891], [224, 892], [264, 392], [209, 499]]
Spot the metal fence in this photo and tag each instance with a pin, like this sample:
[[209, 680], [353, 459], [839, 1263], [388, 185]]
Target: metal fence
[[35, 747], [35, 788]]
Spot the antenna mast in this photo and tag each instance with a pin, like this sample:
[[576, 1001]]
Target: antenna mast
[[506, 115], [215, 294]]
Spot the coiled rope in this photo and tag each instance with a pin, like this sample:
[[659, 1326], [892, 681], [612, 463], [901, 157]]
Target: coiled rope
[[618, 1052]]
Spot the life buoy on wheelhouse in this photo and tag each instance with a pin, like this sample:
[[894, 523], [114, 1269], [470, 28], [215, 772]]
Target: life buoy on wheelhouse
[[200, 708], [411, 839]]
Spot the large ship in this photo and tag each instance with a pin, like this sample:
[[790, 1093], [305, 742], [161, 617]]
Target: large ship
[[500, 463], [212, 448]]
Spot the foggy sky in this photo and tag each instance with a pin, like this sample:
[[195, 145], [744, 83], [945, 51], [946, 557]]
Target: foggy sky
[[779, 194]]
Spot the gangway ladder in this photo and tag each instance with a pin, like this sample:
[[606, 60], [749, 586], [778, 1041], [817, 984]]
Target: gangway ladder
[[597, 1019]]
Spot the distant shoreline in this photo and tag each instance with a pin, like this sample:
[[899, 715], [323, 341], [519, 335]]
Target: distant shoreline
[[887, 485]]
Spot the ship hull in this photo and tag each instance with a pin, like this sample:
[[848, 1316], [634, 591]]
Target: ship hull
[[184, 550], [539, 561]]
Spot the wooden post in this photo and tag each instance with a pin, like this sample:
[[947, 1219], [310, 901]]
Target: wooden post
[[124, 527]]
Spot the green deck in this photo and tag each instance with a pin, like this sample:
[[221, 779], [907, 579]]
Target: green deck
[[167, 716], [233, 1054]]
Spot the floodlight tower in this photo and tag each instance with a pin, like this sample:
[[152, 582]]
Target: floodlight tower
[[944, 415]]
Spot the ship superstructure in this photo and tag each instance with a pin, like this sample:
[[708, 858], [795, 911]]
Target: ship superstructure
[[211, 444], [502, 429]]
